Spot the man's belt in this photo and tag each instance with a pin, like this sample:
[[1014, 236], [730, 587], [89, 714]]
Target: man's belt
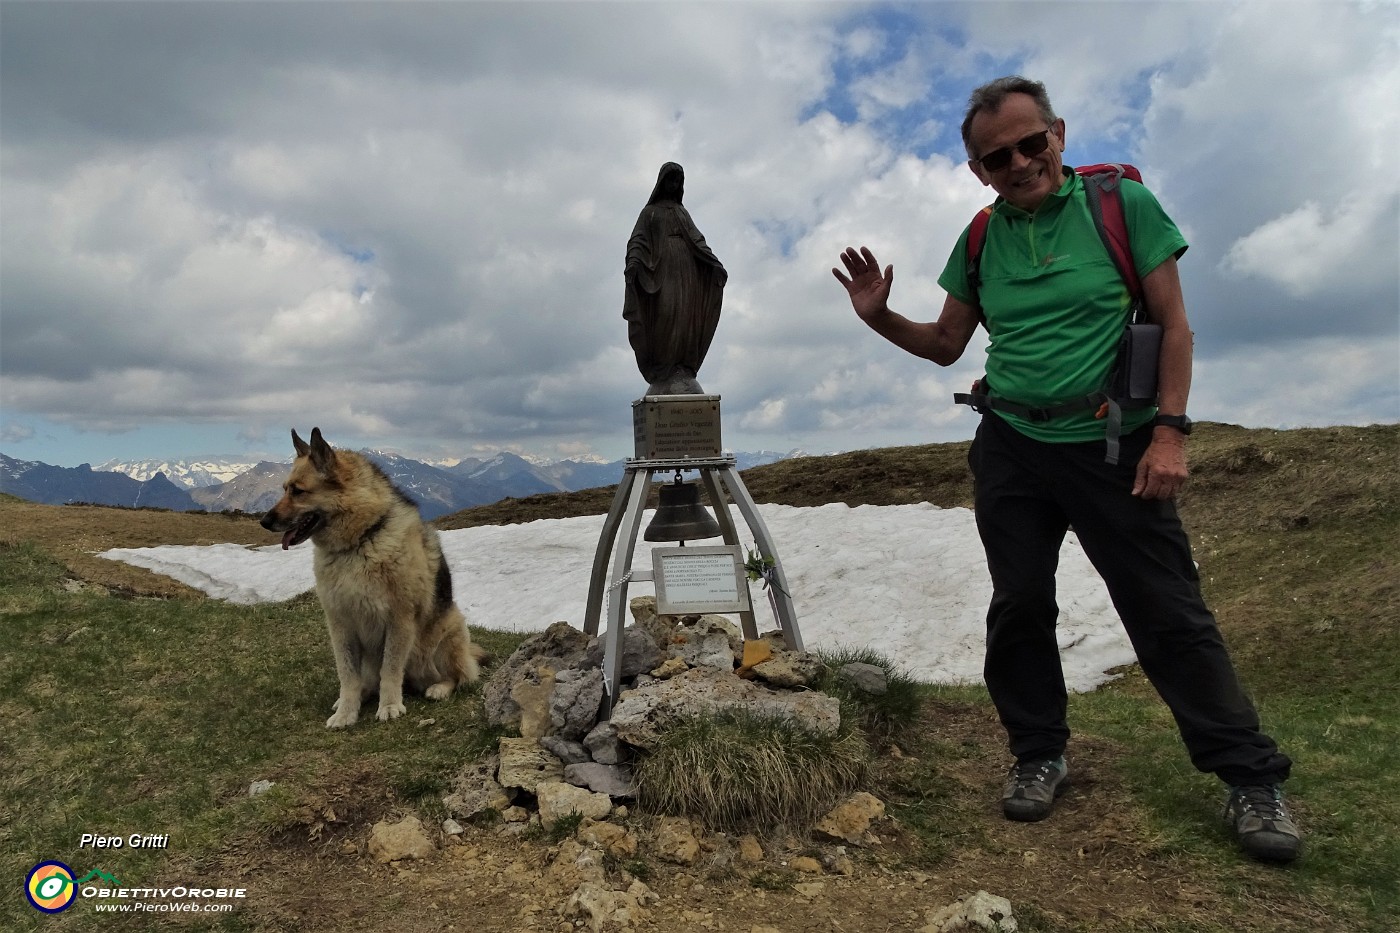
[[1098, 402]]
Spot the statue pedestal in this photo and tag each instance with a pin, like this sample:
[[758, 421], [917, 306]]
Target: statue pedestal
[[718, 475]]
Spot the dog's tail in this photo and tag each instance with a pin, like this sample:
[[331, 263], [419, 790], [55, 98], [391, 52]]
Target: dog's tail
[[476, 656]]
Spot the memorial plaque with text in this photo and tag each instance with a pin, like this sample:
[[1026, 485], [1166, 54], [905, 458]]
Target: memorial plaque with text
[[676, 427], [700, 579]]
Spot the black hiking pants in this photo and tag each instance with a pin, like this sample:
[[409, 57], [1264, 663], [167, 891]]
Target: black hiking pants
[[1028, 494]]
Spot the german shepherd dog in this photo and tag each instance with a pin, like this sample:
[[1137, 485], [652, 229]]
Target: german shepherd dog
[[381, 578]]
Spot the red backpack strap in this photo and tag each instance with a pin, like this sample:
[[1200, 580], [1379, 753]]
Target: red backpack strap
[[1116, 169], [976, 239], [1102, 189]]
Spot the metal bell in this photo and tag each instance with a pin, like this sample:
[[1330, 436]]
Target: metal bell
[[680, 516]]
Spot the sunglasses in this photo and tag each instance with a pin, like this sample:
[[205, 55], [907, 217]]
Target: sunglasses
[[1030, 147]]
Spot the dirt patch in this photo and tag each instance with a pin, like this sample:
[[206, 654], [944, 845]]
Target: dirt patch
[[1094, 865]]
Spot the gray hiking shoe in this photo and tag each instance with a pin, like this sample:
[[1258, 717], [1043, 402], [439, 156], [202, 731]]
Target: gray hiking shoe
[[1031, 789], [1262, 823]]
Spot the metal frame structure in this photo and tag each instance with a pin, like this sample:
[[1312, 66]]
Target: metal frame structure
[[717, 475]]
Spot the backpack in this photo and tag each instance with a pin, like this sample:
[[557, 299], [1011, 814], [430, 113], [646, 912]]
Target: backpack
[[1132, 383]]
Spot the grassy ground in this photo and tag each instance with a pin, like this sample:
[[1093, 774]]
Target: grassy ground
[[130, 708]]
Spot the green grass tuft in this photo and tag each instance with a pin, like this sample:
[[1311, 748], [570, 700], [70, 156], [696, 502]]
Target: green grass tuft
[[741, 772], [883, 716], [563, 828]]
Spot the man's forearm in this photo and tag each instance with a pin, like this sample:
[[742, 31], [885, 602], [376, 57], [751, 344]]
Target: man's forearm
[[1174, 370], [942, 341], [909, 336]]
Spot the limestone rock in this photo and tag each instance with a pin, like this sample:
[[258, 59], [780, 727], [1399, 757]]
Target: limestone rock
[[390, 842], [643, 714], [755, 652], [867, 678], [609, 837], [566, 750], [525, 764], [603, 908], [558, 800], [712, 641], [850, 821], [613, 780], [673, 840], [975, 913], [660, 628], [577, 700], [670, 668], [558, 647], [476, 790], [532, 693], [643, 609], [790, 669], [640, 652], [604, 746]]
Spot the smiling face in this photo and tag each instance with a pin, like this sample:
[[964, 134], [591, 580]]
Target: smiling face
[[1026, 181]]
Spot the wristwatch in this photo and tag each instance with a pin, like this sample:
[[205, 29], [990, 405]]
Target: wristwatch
[[1180, 422]]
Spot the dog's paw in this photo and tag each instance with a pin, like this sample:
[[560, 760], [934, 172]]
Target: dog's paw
[[342, 720], [439, 691], [391, 711]]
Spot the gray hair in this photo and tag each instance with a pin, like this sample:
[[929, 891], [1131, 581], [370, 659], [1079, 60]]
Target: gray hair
[[993, 94]]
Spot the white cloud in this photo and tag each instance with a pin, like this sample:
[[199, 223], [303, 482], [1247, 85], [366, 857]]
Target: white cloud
[[407, 223], [863, 43], [893, 88], [15, 432], [766, 416], [1308, 251], [1325, 381]]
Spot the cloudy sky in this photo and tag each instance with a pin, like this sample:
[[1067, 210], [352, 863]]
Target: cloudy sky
[[406, 222]]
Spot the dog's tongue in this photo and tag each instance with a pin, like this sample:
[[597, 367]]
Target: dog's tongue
[[289, 538]]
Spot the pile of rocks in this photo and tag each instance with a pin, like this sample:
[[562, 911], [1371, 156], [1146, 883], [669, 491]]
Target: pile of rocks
[[568, 761]]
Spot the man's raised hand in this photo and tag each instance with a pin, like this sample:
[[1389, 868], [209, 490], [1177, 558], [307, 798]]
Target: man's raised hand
[[868, 288]]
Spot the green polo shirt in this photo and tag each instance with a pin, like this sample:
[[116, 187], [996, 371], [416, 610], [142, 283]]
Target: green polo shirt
[[1054, 303]]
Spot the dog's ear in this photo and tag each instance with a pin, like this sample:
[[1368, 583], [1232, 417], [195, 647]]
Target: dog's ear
[[299, 445], [321, 454]]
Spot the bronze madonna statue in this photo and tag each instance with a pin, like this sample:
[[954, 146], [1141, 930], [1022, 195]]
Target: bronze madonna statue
[[675, 285]]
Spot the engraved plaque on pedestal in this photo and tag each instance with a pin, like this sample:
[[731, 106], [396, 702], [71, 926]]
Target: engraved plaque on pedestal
[[700, 579], [676, 427]]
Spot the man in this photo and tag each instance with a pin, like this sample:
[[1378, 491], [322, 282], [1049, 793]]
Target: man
[[1054, 305]]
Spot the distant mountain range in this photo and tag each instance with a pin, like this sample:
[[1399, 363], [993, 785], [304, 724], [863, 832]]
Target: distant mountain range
[[226, 485], [40, 482], [189, 474]]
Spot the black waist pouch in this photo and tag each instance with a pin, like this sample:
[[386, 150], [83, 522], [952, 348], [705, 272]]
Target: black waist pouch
[[1134, 380]]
